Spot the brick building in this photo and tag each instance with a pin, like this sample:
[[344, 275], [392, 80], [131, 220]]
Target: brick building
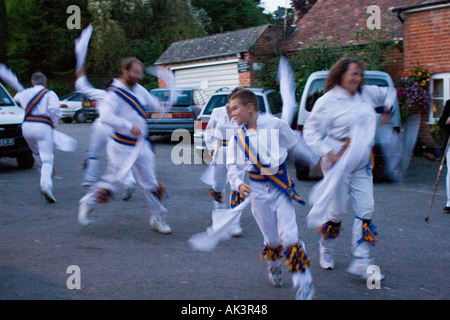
[[222, 60], [427, 44], [420, 30], [337, 23]]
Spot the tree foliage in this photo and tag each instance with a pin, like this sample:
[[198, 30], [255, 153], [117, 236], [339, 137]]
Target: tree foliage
[[321, 55], [38, 37], [229, 15]]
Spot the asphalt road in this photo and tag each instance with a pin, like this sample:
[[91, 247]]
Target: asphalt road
[[119, 257]]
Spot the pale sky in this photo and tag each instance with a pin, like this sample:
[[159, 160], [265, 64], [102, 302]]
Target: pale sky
[[272, 5]]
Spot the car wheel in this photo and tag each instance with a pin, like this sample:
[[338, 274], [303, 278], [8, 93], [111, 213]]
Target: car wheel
[[79, 117], [25, 160]]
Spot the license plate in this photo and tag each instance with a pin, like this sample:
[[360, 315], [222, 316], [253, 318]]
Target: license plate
[[157, 116], [6, 142]]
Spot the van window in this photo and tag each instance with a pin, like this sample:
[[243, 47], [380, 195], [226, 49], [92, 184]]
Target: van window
[[275, 102], [216, 101], [376, 82], [316, 89], [5, 100], [315, 92], [220, 100]]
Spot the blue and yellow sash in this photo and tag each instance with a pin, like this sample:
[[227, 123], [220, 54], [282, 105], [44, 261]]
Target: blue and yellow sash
[[280, 179], [122, 139], [130, 99], [32, 104]]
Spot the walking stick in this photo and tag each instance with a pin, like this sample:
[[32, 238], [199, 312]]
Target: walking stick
[[437, 181]]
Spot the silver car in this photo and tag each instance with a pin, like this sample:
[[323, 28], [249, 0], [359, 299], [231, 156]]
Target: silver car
[[71, 108], [269, 102], [181, 115]]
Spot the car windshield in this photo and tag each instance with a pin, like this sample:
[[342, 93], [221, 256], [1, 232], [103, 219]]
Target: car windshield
[[5, 100], [316, 89], [73, 97], [184, 97], [220, 100]]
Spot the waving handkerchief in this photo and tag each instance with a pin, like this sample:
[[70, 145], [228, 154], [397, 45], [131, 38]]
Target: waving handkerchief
[[81, 46], [10, 78], [286, 78]]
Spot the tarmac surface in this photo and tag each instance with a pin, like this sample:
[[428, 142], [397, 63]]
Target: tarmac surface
[[119, 257]]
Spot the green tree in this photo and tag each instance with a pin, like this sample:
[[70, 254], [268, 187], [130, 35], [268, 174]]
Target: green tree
[[230, 15], [3, 31], [39, 38]]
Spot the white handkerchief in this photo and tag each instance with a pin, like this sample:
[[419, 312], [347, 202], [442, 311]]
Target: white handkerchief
[[81, 46], [64, 142], [10, 78]]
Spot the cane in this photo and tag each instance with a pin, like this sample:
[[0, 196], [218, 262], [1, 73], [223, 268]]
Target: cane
[[437, 181]]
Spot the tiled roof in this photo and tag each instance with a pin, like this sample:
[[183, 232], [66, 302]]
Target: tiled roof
[[221, 44], [339, 21]]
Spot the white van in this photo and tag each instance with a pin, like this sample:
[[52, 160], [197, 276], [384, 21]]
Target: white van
[[269, 102], [12, 143], [314, 89]]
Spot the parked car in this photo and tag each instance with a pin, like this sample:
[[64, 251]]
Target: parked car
[[12, 143], [314, 89], [269, 102], [70, 107], [89, 109], [181, 115]]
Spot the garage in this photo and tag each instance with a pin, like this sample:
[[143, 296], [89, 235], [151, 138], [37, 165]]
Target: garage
[[223, 60], [209, 76]]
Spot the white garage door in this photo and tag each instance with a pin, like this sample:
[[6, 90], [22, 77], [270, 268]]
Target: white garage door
[[208, 77]]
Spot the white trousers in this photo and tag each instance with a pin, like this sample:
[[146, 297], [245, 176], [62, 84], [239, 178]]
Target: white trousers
[[219, 183], [356, 188], [275, 214], [97, 142], [143, 169], [39, 137]]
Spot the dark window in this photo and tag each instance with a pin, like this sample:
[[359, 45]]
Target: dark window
[[185, 98], [5, 100], [275, 102], [216, 101]]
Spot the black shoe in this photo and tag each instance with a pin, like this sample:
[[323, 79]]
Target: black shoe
[[447, 209]]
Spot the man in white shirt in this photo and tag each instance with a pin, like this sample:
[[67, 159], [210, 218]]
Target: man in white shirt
[[97, 141], [41, 117], [122, 108], [221, 127]]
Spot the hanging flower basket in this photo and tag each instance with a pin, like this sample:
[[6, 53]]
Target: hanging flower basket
[[412, 92]]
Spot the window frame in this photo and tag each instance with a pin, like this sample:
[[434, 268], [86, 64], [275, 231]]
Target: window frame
[[445, 76]]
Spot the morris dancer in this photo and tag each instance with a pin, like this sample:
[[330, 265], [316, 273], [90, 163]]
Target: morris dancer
[[122, 109], [341, 129], [100, 132], [41, 117], [271, 191], [220, 129], [97, 141]]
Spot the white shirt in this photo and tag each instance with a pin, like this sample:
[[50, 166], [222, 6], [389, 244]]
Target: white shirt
[[220, 127], [272, 140], [334, 113], [48, 106], [115, 112]]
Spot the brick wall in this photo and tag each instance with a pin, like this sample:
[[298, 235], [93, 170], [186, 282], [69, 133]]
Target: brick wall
[[427, 43], [267, 46], [394, 62], [427, 40]]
